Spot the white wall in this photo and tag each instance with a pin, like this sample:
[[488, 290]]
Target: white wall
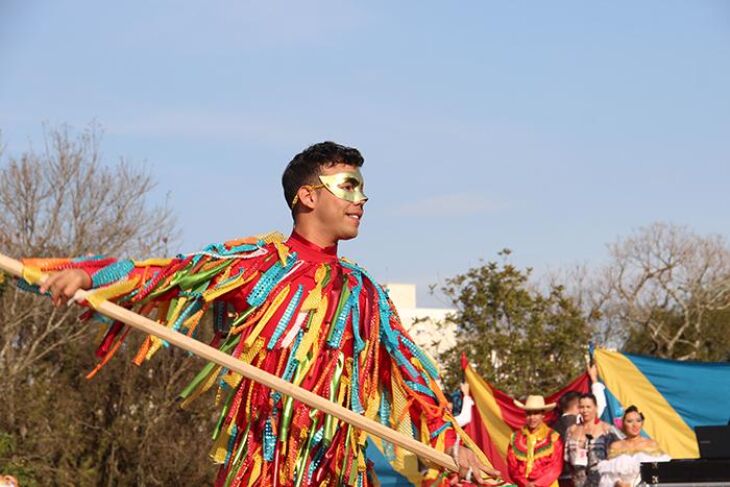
[[428, 327]]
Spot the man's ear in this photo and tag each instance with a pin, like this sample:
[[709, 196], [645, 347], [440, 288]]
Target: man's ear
[[307, 197]]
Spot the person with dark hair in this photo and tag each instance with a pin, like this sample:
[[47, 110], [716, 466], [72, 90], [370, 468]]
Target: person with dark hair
[[623, 466], [588, 442], [535, 452], [305, 169], [570, 414], [568, 403], [292, 307]]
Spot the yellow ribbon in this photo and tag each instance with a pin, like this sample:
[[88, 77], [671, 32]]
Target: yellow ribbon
[[313, 332], [202, 388], [95, 298], [219, 451], [532, 438], [215, 292], [271, 237], [531, 441], [315, 295], [155, 262], [31, 275], [267, 316], [283, 252], [256, 470]]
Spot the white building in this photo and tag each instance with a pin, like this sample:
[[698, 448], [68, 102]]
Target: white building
[[430, 328]]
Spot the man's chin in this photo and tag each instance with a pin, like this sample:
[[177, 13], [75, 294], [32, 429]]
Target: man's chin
[[349, 235]]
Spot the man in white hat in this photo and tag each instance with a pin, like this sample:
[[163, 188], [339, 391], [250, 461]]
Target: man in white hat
[[535, 453]]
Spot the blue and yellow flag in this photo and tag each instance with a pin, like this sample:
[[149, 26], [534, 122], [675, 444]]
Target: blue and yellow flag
[[394, 473], [674, 396]]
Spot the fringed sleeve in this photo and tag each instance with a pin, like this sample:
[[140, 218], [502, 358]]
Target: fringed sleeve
[[176, 292]]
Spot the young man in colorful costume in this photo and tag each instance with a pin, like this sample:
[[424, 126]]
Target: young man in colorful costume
[[535, 454], [293, 308]]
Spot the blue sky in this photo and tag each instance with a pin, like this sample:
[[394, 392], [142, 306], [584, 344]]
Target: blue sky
[[550, 128]]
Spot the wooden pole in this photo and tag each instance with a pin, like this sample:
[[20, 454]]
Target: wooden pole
[[248, 371]]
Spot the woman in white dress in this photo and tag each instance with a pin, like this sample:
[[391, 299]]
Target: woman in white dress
[[622, 468]]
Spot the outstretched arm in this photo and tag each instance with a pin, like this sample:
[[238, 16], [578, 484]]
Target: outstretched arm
[[176, 291], [464, 417], [248, 371], [66, 276], [597, 389]]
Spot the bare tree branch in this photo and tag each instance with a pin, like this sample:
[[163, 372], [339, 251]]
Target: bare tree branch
[[662, 283]]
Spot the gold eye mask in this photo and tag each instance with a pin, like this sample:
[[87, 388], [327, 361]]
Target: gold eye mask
[[348, 186]]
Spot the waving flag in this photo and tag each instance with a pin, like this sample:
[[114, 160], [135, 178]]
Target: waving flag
[[674, 396], [402, 472]]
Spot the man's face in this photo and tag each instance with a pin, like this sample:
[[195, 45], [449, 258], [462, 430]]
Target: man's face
[[338, 217], [534, 419]]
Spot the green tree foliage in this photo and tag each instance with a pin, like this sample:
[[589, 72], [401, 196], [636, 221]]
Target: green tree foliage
[[124, 427], [520, 339]]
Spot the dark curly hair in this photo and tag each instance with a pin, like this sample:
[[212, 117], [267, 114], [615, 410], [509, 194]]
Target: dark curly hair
[[632, 409], [307, 165], [590, 396]]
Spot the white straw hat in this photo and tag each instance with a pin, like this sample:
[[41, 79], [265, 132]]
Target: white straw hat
[[534, 403]]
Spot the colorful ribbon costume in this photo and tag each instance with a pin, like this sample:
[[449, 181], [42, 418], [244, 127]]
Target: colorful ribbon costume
[[535, 457], [293, 309]]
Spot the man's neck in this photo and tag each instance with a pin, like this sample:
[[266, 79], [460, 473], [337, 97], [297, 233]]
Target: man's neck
[[312, 235]]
